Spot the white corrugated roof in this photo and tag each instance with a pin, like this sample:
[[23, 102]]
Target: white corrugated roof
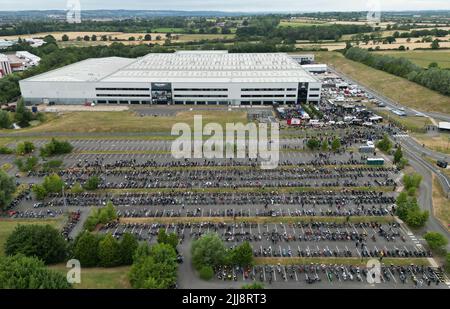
[[196, 66]]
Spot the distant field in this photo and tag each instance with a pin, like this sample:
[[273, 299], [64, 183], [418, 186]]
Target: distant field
[[167, 30], [300, 24], [7, 226], [424, 57], [399, 89], [129, 122]]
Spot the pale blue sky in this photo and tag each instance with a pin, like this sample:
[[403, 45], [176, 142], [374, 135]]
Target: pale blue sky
[[230, 5]]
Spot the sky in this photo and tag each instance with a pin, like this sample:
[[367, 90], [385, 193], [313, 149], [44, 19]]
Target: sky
[[230, 5]]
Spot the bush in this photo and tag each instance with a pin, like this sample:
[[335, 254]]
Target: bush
[[5, 150], [412, 181], [313, 144], [24, 148], [385, 144], [435, 240], [52, 165], [253, 286], [21, 272], [29, 164], [53, 183], [76, 188], [206, 273], [336, 144], [39, 192], [102, 215], [42, 241], [55, 147], [92, 183]]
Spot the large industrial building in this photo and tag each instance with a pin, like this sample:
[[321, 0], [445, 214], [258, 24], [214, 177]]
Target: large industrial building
[[194, 77]]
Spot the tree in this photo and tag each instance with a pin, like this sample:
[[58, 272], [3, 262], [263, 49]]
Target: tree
[[336, 144], [53, 183], [86, 38], [21, 272], [128, 246], [39, 192], [313, 143], [435, 44], [77, 188], [24, 148], [433, 65], [170, 239], [109, 252], [325, 145], [86, 249], [7, 188], [417, 218], [49, 39], [158, 270], [55, 147], [385, 144], [447, 263], [242, 255], [65, 38], [5, 120], [23, 115], [435, 240], [206, 273], [208, 250], [92, 183], [147, 37], [94, 38], [398, 155], [42, 241], [131, 38], [412, 180]]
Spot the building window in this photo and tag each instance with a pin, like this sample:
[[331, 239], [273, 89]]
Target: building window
[[123, 89], [262, 89], [200, 89], [314, 89]]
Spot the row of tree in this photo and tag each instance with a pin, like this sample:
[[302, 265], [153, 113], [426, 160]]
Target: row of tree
[[433, 78]]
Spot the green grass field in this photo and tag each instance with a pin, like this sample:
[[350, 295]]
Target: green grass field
[[99, 278], [398, 89], [125, 121], [424, 57], [7, 226]]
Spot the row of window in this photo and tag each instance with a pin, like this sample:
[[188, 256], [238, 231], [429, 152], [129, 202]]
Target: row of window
[[201, 96], [123, 95], [314, 95], [124, 89], [268, 89], [314, 89], [200, 89], [262, 96]]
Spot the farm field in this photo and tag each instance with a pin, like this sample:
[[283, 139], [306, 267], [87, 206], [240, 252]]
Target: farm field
[[424, 57]]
